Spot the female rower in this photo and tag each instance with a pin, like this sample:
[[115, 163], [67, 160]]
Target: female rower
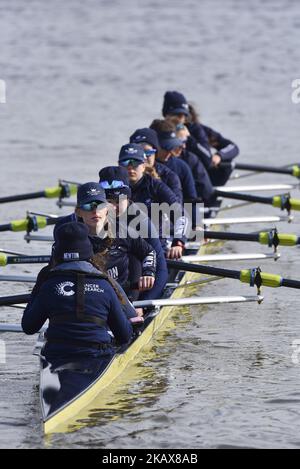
[[203, 184], [80, 302], [92, 210], [152, 192], [202, 139], [148, 139], [170, 148], [115, 182]]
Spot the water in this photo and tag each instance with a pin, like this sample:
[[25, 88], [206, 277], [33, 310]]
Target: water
[[80, 78]]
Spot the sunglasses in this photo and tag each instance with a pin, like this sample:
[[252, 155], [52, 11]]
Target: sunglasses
[[92, 206], [149, 153], [112, 185], [180, 126], [133, 163]]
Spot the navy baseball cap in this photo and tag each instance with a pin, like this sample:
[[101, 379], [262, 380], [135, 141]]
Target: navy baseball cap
[[175, 103], [168, 141], [132, 151], [145, 135], [114, 180], [90, 192]]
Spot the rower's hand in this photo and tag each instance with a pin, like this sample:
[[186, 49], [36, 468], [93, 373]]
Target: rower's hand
[[139, 312], [146, 283], [216, 160], [175, 252]]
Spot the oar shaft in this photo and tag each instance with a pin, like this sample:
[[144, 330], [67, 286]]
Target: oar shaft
[[203, 269], [231, 236], [16, 198], [263, 169], [5, 260], [290, 283], [13, 299], [247, 197]]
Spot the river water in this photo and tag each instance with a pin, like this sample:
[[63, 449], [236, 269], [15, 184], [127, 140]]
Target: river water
[[80, 77]]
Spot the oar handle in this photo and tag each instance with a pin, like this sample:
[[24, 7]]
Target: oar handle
[[14, 299]]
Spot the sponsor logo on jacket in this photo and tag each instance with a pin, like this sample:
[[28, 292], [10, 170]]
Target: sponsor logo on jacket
[[66, 288]]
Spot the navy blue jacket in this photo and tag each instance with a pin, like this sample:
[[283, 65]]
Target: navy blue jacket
[[170, 179], [151, 236], [117, 256], [185, 175], [203, 184], [148, 191], [57, 297], [203, 138]]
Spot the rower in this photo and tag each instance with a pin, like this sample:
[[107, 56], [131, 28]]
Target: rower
[[115, 181], [170, 148], [80, 301], [148, 139], [149, 191], [202, 138], [92, 209], [204, 187]]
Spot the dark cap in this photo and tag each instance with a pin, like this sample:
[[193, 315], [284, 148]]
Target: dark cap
[[72, 243], [90, 192], [145, 135], [168, 140], [175, 103], [114, 180], [132, 151]]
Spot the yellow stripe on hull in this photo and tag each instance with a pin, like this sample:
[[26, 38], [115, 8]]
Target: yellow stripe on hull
[[62, 420]]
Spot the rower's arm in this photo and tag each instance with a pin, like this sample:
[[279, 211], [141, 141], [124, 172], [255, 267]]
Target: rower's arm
[[35, 314], [143, 251], [226, 149], [117, 321]]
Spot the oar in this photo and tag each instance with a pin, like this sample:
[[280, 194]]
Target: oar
[[250, 276], [64, 189], [259, 188], [284, 202], [267, 238], [14, 253], [16, 299], [5, 260], [293, 171], [29, 223], [17, 278]]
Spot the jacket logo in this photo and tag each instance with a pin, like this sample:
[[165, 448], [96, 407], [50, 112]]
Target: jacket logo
[[65, 289]]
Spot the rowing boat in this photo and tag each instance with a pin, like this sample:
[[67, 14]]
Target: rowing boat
[[68, 389]]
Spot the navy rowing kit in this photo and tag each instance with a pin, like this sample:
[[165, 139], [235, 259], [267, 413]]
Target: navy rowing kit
[[202, 140], [149, 191], [204, 187], [81, 306], [171, 179], [185, 175], [118, 253]]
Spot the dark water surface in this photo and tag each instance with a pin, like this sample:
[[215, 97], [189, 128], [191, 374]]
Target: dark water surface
[[81, 76]]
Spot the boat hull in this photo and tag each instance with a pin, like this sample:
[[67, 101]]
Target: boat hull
[[65, 392]]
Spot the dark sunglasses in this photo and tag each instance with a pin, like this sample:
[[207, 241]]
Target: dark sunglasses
[[92, 206], [149, 153], [133, 163]]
